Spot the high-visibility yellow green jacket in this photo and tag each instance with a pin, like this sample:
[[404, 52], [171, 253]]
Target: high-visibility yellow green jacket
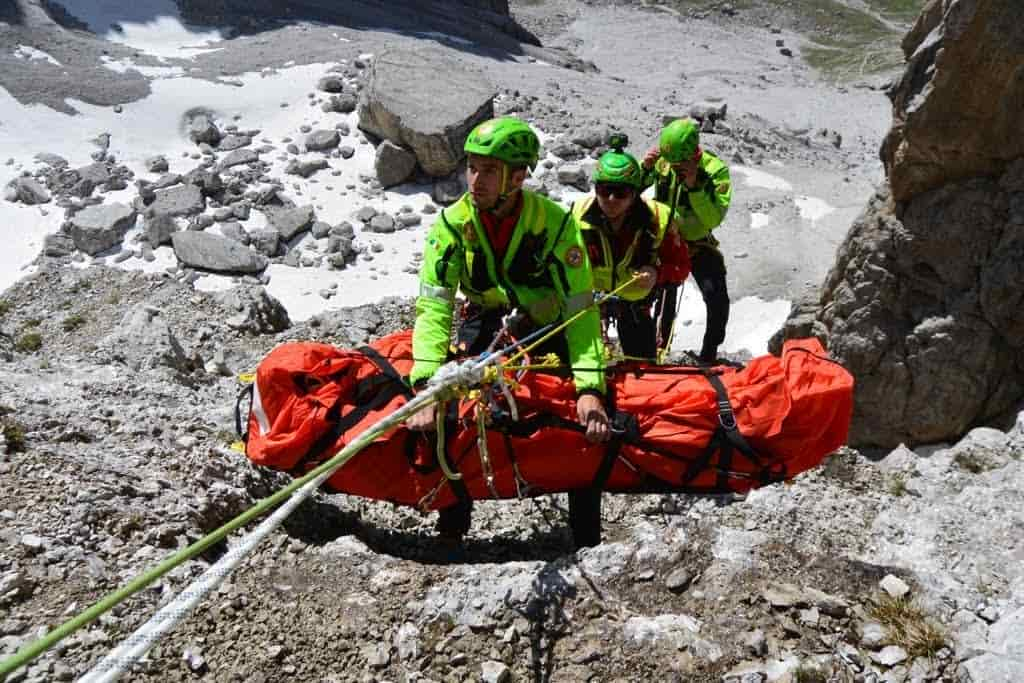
[[698, 210], [544, 273], [647, 221]]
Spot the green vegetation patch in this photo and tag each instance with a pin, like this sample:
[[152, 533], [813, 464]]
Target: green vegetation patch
[[908, 625], [28, 342]]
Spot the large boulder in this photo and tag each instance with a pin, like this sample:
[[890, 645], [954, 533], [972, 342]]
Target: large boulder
[[923, 304], [213, 252], [957, 109], [101, 226], [433, 122], [254, 310], [393, 164]]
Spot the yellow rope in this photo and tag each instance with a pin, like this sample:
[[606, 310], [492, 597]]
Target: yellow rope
[[558, 328]]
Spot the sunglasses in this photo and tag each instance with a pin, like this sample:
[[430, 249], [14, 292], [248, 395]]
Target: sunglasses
[[613, 191]]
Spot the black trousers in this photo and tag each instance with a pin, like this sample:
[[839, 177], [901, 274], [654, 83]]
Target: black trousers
[[636, 327], [474, 335], [708, 270]]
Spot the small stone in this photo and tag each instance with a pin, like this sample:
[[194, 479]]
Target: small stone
[[890, 655], [894, 586], [495, 672], [679, 580]]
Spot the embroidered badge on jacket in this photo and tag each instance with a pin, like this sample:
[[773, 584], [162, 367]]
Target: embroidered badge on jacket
[[574, 257]]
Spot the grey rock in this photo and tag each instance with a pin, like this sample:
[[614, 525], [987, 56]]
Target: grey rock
[[575, 176], [346, 151], [256, 311], [233, 230], [194, 661], [166, 180], [1005, 635], [233, 142], [179, 200], [382, 223], [991, 667], [290, 221], [202, 129], [267, 242], [331, 83], [970, 634], [58, 245], [157, 164], [144, 340], [432, 122], [408, 220], [344, 229], [206, 179], [51, 159], [158, 229], [872, 634], [890, 655], [239, 157], [393, 164], [448, 190], [27, 191], [223, 213], [201, 222], [495, 672], [101, 227], [342, 104], [894, 586], [320, 229], [216, 253], [305, 167], [365, 214], [679, 580], [321, 140]]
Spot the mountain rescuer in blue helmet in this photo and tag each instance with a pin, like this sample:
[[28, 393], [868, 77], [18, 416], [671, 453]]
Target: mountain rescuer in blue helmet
[[623, 233], [695, 184], [506, 248]]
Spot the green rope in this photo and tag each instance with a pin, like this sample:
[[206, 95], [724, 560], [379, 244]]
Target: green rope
[[41, 645]]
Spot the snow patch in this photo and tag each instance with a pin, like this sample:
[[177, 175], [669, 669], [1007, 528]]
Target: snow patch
[[759, 220], [758, 178], [752, 322], [151, 26], [32, 53], [812, 208]]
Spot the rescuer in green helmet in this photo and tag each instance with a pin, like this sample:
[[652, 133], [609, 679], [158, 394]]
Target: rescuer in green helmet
[[695, 184], [623, 233], [507, 248]]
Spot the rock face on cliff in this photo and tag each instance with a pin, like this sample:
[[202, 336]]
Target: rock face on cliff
[[473, 16], [925, 303]]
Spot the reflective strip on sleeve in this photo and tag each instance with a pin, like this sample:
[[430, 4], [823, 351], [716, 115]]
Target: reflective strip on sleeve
[[432, 292], [576, 303]]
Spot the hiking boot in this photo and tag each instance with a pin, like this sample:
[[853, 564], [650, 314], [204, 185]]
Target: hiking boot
[[707, 358], [453, 521]]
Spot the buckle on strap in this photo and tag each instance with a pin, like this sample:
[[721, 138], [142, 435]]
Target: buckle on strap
[[726, 417]]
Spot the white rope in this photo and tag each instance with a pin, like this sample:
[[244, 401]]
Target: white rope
[[119, 660]]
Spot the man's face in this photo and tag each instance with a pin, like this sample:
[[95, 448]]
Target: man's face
[[688, 167], [614, 199], [483, 175]]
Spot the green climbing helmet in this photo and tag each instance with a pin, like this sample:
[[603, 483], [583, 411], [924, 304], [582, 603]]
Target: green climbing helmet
[[616, 166], [679, 140], [507, 138]]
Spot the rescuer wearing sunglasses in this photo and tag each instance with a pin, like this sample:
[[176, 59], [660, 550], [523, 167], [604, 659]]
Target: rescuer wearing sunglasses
[[623, 234], [695, 184]]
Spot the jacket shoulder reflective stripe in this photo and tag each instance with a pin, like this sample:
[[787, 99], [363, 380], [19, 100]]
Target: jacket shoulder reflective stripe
[[431, 292]]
